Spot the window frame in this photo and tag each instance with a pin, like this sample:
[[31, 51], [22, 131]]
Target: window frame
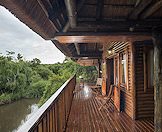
[[148, 78], [121, 54], [116, 70]]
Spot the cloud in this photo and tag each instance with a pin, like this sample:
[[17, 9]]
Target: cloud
[[16, 36]]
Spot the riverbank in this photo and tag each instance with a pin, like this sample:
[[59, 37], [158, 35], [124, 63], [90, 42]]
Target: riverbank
[[10, 98]]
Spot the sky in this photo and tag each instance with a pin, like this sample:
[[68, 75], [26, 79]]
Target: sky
[[17, 37]]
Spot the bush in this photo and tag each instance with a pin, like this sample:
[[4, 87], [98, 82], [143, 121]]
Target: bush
[[36, 89], [5, 98]]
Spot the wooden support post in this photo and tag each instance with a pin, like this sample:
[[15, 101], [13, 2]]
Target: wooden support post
[[104, 78], [99, 68], [157, 38]]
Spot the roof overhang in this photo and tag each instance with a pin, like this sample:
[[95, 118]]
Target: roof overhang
[[79, 28]]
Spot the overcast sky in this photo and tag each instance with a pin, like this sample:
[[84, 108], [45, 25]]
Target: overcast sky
[[16, 36]]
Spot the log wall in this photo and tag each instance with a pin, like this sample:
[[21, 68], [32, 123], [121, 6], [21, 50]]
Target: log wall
[[144, 98], [126, 94]]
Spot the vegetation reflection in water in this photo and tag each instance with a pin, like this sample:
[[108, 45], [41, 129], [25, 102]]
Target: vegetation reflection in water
[[15, 114]]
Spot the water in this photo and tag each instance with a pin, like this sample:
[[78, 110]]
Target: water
[[13, 115]]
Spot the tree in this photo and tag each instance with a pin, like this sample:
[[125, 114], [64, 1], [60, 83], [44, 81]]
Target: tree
[[10, 55], [35, 62], [23, 79], [19, 56]]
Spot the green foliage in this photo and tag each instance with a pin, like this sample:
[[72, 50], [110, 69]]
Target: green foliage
[[19, 56], [54, 83], [44, 72], [35, 62], [36, 89], [5, 98], [22, 79]]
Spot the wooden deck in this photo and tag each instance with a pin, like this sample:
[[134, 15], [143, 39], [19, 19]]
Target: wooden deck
[[85, 116]]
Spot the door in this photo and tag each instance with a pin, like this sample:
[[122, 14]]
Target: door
[[110, 73]]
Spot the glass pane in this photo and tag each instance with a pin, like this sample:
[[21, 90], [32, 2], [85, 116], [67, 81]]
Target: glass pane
[[116, 72], [151, 70], [123, 69]]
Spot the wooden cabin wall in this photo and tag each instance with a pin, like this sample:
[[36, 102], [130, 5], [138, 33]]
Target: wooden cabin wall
[[144, 98], [127, 93]]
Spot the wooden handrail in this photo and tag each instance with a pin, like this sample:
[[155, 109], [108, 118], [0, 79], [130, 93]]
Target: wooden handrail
[[53, 114]]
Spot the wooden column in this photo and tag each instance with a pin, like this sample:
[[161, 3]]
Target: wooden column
[[104, 77], [157, 38], [99, 68]]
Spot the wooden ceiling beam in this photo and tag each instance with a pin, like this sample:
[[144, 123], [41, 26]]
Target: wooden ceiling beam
[[135, 23], [99, 9], [107, 33], [139, 8], [152, 9], [101, 39], [72, 14], [121, 26], [66, 27], [118, 24]]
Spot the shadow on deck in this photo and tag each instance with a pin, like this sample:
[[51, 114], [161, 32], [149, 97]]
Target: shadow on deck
[[85, 116]]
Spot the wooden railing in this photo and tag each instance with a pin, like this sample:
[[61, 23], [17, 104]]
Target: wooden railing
[[53, 115]]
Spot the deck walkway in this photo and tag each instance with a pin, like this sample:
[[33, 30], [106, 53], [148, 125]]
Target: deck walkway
[[85, 116]]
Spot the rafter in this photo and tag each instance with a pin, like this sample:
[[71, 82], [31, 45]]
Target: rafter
[[99, 9], [139, 8], [152, 9], [118, 24], [47, 7], [52, 13], [71, 10]]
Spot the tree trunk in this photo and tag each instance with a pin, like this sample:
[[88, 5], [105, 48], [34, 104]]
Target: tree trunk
[[157, 38]]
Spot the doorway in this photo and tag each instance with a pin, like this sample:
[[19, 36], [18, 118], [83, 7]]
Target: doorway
[[110, 73]]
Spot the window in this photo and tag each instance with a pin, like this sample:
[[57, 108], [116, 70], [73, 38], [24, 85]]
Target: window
[[150, 64], [148, 67], [116, 72], [123, 69]]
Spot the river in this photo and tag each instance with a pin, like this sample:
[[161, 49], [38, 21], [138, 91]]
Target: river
[[13, 115]]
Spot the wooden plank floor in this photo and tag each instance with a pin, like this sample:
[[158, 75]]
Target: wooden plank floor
[[85, 116]]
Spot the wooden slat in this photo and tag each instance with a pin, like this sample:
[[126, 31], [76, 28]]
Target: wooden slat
[[144, 95], [85, 116]]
